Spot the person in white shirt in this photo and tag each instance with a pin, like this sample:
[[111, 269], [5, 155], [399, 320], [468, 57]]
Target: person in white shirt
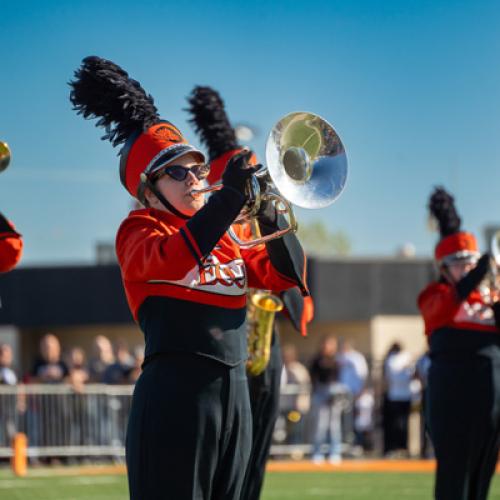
[[353, 373], [399, 371]]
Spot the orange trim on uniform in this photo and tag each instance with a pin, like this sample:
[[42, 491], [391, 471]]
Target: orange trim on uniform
[[307, 315]]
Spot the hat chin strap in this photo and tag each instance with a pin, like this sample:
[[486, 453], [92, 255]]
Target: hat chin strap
[[162, 198]]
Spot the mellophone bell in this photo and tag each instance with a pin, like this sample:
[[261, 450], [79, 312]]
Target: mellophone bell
[[11, 244], [306, 165]]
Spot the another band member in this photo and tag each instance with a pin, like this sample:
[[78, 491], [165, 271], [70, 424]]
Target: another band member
[[463, 393], [211, 121], [189, 431], [11, 245]]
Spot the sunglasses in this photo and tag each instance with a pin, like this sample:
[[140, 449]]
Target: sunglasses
[[179, 172]]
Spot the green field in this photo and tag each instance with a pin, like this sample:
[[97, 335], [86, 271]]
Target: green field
[[42, 485]]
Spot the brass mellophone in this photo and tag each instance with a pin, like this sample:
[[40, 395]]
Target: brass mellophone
[[490, 286], [306, 165], [5, 156]]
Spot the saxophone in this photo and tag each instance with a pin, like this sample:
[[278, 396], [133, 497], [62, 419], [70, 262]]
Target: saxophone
[[261, 309]]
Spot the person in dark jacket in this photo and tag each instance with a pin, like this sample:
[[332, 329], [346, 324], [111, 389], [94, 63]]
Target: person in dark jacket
[[210, 120], [463, 391]]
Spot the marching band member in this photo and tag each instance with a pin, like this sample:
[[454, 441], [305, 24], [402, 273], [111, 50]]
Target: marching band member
[[463, 392], [212, 123], [189, 429], [11, 245]]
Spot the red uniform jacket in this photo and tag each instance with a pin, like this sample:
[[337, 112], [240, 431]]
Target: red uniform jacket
[[181, 301], [11, 248], [442, 308]]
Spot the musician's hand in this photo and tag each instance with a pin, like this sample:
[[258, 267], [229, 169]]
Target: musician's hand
[[238, 172]]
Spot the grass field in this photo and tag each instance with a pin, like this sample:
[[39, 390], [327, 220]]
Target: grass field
[[44, 485]]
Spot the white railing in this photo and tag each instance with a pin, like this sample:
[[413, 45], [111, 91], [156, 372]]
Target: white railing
[[60, 421]]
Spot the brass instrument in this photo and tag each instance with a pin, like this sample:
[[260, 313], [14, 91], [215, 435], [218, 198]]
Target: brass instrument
[[490, 287], [262, 307], [306, 166], [5, 156]]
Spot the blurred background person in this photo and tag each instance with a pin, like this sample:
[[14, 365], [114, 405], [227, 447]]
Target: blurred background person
[[398, 374], [353, 373], [422, 367], [7, 374], [326, 409], [76, 408], [138, 355], [7, 401], [98, 404], [49, 368], [78, 372], [102, 357], [364, 423], [294, 406], [119, 371]]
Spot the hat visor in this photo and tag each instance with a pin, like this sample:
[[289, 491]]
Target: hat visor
[[173, 153], [464, 256]]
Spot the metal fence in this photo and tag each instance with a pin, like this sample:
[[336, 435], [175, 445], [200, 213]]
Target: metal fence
[[62, 422]]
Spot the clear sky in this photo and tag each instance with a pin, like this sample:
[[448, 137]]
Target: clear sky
[[412, 87]]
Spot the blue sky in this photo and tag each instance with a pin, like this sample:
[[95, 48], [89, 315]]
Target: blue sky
[[412, 87]]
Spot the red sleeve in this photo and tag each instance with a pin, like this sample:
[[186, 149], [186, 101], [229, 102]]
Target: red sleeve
[[148, 249], [11, 249], [438, 304]]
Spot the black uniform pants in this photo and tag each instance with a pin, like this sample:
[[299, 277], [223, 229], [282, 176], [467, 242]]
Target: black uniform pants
[[264, 400], [463, 417], [395, 417], [189, 432]]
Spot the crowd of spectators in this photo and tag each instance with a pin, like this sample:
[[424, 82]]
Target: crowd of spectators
[[107, 364], [329, 401], [338, 407]]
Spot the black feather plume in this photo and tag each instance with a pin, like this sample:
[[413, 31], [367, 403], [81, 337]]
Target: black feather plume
[[442, 208], [211, 122], [101, 89]]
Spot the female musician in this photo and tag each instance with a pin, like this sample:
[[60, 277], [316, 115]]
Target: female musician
[[11, 245], [212, 123], [463, 393], [189, 430]]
